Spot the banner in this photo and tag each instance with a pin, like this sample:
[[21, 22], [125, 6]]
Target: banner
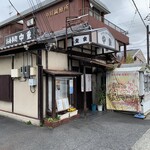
[[122, 91]]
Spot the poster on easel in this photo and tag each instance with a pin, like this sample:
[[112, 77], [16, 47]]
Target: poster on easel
[[59, 104], [65, 103], [62, 104]]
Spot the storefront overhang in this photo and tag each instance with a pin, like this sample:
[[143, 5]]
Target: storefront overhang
[[20, 41], [93, 62], [100, 38], [61, 73]]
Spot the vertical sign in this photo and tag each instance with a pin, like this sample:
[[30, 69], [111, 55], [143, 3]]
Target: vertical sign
[[88, 83], [70, 86]]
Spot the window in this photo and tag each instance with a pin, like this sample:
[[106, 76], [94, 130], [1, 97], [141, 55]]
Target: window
[[63, 93], [6, 88], [147, 83]]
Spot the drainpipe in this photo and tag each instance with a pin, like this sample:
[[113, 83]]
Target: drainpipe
[[40, 85]]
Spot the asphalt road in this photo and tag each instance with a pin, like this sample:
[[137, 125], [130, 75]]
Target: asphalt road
[[98, 131]]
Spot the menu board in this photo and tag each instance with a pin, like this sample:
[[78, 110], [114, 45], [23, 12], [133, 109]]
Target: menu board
[[62, 104]]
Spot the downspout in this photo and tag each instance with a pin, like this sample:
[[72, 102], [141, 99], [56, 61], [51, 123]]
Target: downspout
[[40, 85]]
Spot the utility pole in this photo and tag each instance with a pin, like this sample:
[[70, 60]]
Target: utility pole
[[147, 31]]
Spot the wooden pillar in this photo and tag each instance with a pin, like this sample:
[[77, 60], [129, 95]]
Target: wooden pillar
[[47, 87], [125, 52], [47, 92], [84, 80], [40, 85], [75, 92], [102, 14], [53, 98], [12, 96]]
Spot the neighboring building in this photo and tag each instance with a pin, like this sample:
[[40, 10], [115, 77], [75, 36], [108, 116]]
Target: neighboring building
[[133, 56], [41, 65]]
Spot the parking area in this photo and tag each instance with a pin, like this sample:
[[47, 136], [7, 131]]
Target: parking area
[[99, 131]]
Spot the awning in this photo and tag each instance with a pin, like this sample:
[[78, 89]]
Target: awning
[[100, 63], [61, 73], [94, 62]]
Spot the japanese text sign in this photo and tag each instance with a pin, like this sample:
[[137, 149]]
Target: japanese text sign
[[20, 37], [78, 40]]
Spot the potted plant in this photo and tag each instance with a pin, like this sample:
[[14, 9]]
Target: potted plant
[[52, 122], [101, 96]]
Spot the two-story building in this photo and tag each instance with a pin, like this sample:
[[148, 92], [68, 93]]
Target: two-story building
[[57, 59]]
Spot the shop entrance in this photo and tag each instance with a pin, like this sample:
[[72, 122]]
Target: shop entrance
[[80, 93]]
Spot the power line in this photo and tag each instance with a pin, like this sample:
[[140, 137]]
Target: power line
[[132, 21], [14, 7], [21, 17], [139, 13]]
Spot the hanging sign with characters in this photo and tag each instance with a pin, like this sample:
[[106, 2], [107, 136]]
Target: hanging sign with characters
[[20, 37], [82, 39], [105, 38]]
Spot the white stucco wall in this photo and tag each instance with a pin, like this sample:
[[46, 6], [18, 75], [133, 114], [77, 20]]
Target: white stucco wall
[[25, 102], [5, 65], [57, 61]]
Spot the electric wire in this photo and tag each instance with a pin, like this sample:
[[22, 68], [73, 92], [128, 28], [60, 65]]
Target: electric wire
[[47, 25], [139, 13], [38, 22], [18, 14], [14, 7], [132, 21]]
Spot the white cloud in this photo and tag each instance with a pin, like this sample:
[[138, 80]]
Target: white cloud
[[123, 15]]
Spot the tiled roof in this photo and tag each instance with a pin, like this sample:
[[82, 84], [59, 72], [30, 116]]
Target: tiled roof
[[16, 45]]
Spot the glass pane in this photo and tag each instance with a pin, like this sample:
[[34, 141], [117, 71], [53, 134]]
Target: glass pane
[[64, 90], [50, 94]]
